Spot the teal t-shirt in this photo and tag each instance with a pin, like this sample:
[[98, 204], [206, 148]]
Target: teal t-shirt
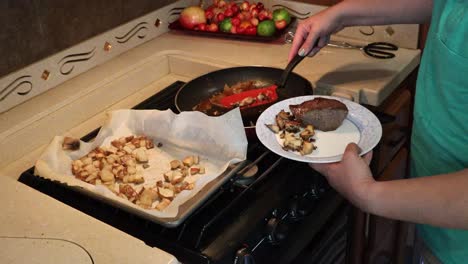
[[440, 129]]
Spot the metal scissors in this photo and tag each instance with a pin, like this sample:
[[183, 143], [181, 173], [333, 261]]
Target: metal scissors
[[379, 50]]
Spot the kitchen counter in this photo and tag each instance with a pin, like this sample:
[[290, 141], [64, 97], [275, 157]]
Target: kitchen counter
[[78, 106], [37, 229]]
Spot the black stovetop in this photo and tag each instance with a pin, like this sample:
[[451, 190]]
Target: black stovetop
[[285, 210]]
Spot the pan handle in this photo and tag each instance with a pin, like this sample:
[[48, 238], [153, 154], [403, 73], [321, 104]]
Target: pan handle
[[292, 64]]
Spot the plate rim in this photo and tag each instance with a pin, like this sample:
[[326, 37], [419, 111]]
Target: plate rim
[[260, 127]]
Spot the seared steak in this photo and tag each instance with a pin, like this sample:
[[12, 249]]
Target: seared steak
[[323, 113]]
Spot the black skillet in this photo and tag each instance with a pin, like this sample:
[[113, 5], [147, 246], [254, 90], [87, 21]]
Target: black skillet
[[289, 85]]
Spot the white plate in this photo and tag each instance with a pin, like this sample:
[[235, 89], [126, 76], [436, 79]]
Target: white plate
[[361, 126]]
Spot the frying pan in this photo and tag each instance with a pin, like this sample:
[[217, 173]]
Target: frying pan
[[203, 87]]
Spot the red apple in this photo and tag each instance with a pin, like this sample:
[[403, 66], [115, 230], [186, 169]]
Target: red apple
[[235, 21], [228, 13], [209, 14], [261, 16], [202, 26], [192, 16], [235, 9], [220, 17], [251, 30]]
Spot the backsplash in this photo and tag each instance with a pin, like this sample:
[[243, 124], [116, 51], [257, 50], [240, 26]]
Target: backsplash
[[33, 30], [42, 75]]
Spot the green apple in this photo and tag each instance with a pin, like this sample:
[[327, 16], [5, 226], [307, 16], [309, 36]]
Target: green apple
[[282, 14]]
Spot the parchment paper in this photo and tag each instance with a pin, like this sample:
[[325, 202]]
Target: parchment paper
[[219, 141]]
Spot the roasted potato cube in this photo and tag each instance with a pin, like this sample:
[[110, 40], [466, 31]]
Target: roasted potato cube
[[292, 142], [307, 148], [149, 144], [306, 134], [163, 204], [117, 144], [128, 191], [177, 177], [86, 160], [166, 193], [141, 156], [188, 161], [168, 176], [175, 164], [106, 175], [202, 170], [196, 159], [310, 128], [147, 197]]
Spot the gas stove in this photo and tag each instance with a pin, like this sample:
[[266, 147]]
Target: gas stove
[[272, 210]]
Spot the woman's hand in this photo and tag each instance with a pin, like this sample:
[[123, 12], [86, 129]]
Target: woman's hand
[[321, 26], [351, 176]]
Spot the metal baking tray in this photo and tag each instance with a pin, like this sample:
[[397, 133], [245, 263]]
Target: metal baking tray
[[28, 177]]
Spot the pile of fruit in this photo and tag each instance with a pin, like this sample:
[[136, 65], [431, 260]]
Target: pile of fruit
[[229, 17]]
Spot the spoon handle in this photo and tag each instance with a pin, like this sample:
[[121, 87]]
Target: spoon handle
[[292, 64]]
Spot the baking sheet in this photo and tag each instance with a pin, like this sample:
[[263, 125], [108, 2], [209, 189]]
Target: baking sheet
[[219, 141]]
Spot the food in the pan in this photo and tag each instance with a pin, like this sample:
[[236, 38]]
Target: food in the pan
[[323, 113], [212, 106], [297, 128], [120, 167]]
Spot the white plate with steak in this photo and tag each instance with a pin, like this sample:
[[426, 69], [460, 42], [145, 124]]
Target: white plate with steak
[[317, 129]]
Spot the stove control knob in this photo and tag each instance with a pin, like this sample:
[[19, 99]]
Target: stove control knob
[[243, 256], [295, 212], [277, 230], [300, 207]]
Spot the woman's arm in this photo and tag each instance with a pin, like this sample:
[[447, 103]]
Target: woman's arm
[[440, 200], [380, 12], [354, 13]]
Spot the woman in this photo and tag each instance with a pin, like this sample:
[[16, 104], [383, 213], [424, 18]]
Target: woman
[[439, 143]]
